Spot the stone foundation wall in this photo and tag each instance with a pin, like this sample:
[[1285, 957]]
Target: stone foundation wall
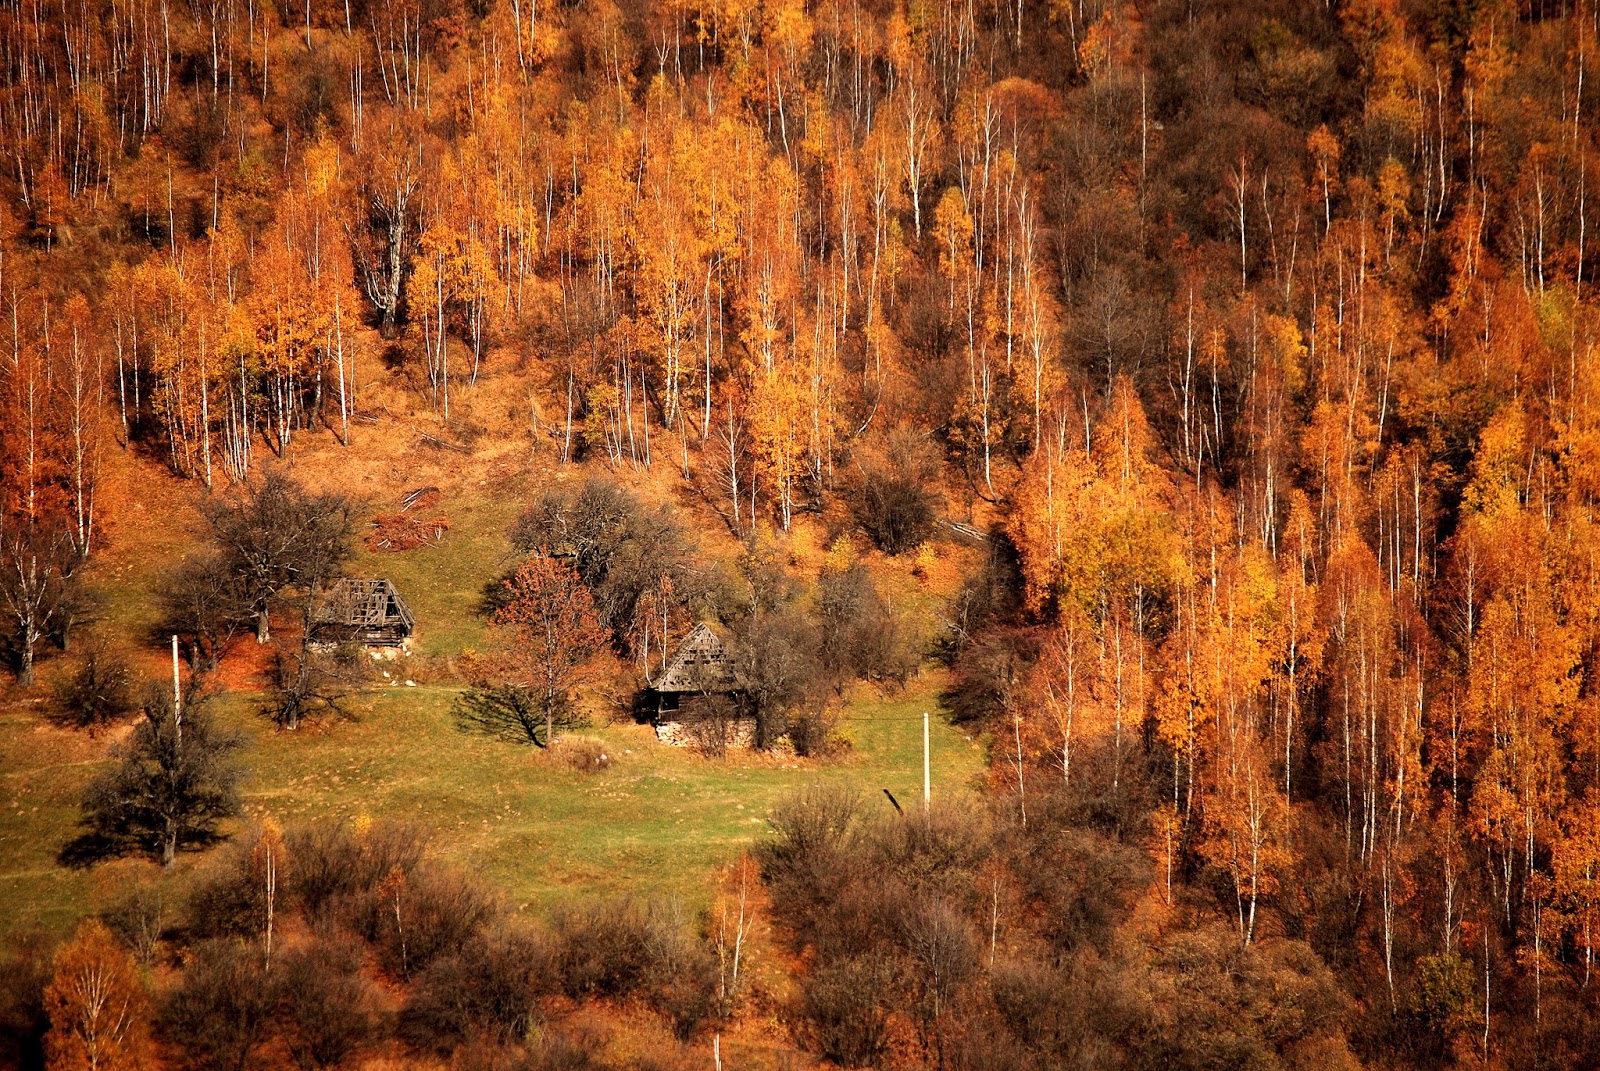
[[741, 733]]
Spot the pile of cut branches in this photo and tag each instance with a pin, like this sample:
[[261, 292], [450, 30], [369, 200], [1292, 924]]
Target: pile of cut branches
[[405, 530]]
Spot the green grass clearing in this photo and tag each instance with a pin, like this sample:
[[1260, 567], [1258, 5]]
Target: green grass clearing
[[658, 821], [443, 585]]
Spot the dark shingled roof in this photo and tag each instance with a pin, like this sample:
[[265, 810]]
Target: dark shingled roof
[[700, 664]]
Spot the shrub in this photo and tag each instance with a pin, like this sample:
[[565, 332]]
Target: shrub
[[806, 860], [894, 500], [217, 1016], [624, 948], [986, 675], [567, 1050], [939, 853], [813, 730], [1028, 998], [583, 754], [1227, 1004], [139, 921], [849, 910], [337, 868], [1440, 1005], [807, 826], [711, 723], [325, 1006], [99, 691], [228, 896], [688, 993], [943, 950], [605, 948], [489, 988], [431, 913], [1081, 882], [844, 1009]]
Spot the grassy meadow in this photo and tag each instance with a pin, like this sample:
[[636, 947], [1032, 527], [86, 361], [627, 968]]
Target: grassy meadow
[[657, 819]]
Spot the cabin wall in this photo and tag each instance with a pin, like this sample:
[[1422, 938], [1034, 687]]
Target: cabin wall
[[380, 636]]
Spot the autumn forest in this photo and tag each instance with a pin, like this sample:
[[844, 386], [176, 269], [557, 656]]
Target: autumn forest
[[1220, 379]]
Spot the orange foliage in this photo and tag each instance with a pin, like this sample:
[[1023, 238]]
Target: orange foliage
[[99, 1014]]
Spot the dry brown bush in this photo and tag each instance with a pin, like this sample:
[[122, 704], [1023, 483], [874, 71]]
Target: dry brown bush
[[582, 753]]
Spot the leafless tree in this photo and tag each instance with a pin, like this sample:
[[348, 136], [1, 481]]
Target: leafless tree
[[36, 587], [168, 788], [276, 534], [388, 187]]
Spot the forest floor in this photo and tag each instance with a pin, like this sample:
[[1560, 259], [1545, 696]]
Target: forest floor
[[656, 819]]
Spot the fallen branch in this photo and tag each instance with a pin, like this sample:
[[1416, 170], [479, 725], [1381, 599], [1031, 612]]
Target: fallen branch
[[421, 498], [433, 440]]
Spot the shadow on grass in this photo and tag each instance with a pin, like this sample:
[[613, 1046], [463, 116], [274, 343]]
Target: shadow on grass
[[85, 851]]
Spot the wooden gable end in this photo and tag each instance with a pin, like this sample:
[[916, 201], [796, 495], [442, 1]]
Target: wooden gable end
[[700, 664]]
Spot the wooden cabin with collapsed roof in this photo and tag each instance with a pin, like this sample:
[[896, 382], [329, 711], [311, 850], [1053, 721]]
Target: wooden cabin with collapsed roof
[[365, 611], [683, 697], [700, 666]]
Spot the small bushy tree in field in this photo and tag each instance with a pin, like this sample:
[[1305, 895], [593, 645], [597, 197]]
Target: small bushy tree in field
[[169, 786], [99, 691], [547, 634]]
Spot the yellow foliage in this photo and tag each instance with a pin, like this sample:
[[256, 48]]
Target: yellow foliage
[[99, 1015]]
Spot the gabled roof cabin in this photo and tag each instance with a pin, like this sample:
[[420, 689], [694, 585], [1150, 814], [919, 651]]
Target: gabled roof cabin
[[700, 666], [365, 611]]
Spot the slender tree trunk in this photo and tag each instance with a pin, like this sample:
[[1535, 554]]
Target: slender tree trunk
[[25, 657]]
